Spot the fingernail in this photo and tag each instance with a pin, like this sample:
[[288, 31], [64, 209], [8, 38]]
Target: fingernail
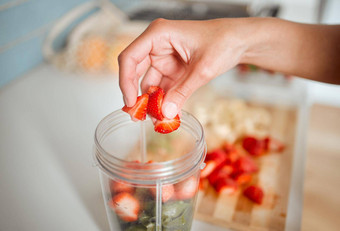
[[169, 110]]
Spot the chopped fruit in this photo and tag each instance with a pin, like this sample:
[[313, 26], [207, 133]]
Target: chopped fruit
[[210, 166], [151, 103], [243, 68], [213, 160], [217, 155], [203, 184], [167, 192], [257, 147], [225, 186], [223, 172], [126, 206], [186, 189], [155, 103], [254, 193], [242, 178], [245, 164], [119, 186], [274, 145], [167, 125], [138, 111], [232, 153], [254, 146], [152, 89]]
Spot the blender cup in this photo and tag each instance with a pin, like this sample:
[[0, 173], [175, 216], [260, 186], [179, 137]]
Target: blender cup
[[149, 180]]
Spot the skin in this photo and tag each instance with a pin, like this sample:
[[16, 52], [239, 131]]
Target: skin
[[181, 56]]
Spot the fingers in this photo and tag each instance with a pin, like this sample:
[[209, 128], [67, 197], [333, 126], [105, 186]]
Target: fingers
[[178, 94], [133, 62], [152, 78]]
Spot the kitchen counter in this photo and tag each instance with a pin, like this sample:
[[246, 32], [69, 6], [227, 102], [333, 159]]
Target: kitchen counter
[[48, 180]]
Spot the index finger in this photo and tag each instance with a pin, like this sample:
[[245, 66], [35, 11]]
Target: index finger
[[129, 60]]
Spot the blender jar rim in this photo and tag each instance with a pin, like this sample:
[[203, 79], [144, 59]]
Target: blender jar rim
[[137, 173]]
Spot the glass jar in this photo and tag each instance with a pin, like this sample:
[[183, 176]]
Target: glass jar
[[149, 180]]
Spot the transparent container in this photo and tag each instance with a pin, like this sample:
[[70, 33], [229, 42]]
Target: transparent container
[[149, 180]]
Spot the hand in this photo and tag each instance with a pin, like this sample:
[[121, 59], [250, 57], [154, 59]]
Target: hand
[[180, 57]]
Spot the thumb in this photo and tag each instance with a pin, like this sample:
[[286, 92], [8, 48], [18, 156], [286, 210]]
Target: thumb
[[176, 96]]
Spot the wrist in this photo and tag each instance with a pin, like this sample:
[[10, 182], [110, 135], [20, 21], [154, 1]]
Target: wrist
[[257, 37]]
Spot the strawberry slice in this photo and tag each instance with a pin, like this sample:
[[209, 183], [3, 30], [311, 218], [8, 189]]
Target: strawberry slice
[[167, 125], [167, 192], [213, 161], [245, 164], [223, 172], [218, 155], [232, 153], [186, 189], [119, 186], [254, 146], [138, 111], [254, 193], [155, 103], [126, 206], [210, 166], [242, 178], [152, 89], [225, 186], [257, 147], [203, 184]]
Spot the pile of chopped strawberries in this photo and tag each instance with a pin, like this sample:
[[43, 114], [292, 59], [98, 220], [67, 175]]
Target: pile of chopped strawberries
[[151, 104], [228, 169]]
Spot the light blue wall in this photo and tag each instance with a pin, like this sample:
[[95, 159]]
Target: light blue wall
[[23, 26]]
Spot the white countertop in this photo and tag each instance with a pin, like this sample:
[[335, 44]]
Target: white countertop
[[47, 177]]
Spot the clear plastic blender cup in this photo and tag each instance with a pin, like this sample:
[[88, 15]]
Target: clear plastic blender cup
[[149, 180]]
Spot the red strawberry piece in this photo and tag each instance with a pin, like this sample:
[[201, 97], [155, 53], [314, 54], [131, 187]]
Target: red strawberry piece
[[186, 189], [273, 144], [155, 103], [254, 146], [167, 125], [203, 184], [126, 206], [232, 153], [254, 193], [243, 68], [167, 192], [232, 157], [138, 111], [213, 160], [245, 164], [120, 186], [223, 172], [210, 166], [225, 186], [218, 155], [229, 148], [242, 178], [152, 89]]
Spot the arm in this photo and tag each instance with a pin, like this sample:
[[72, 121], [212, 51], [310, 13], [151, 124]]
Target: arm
[[181, 56], [309, 51]]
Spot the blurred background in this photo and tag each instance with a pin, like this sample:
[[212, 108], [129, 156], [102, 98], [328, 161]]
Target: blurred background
[[58, 78]]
